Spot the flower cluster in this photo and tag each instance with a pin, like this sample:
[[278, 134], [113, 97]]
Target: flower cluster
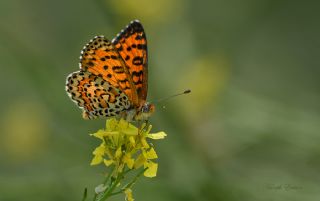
[[125, 146]]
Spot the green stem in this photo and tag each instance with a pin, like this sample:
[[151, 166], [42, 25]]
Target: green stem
[[130, 184], [85, 193], [105, 182], [109, 176], [134, 179], [112, 187]]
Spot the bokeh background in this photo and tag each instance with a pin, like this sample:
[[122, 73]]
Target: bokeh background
[[248, 131]]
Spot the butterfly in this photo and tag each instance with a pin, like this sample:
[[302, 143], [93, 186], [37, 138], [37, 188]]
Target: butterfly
[[113, 76]]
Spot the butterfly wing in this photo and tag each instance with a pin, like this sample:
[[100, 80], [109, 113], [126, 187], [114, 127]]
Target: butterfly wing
[[100, 58], [113, 75], [97, 97], [131, 43]]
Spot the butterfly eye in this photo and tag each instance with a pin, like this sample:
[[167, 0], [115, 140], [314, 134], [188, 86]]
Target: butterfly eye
[[148, 108], [145, 108]]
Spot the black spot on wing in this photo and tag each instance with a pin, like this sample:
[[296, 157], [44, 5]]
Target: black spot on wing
[[118, 69], [141, 47], [137, 60], [138, 74]]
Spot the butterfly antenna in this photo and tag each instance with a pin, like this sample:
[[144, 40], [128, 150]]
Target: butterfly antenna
[[169, 97]]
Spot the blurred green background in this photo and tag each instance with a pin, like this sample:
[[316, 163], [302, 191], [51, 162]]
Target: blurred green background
[[248, 131]]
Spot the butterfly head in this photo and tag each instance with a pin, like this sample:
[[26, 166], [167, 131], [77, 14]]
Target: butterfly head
[[145, 111]]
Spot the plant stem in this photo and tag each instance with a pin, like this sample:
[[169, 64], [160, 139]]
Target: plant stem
[[104, 182], [134, 179], [130, 184], [85, 193], [114, 184], [109, 176]]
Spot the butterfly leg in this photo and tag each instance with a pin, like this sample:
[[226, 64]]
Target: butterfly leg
[[130, 115], [143, 125], [146, 122]]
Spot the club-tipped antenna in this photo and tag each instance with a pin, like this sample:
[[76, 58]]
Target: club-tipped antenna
[[169, 97]]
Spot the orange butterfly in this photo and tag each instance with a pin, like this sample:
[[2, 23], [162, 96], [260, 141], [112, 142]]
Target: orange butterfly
[[113, 76]]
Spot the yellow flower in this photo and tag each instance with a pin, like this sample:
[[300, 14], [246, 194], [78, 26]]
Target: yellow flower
[[126, 146], [98, 154], [145, 160], [151, 170], [157, 136], [151, 154], [128, 193]]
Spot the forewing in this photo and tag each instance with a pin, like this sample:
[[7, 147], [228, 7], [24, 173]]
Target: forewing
[[100, 58], [131, 43]]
